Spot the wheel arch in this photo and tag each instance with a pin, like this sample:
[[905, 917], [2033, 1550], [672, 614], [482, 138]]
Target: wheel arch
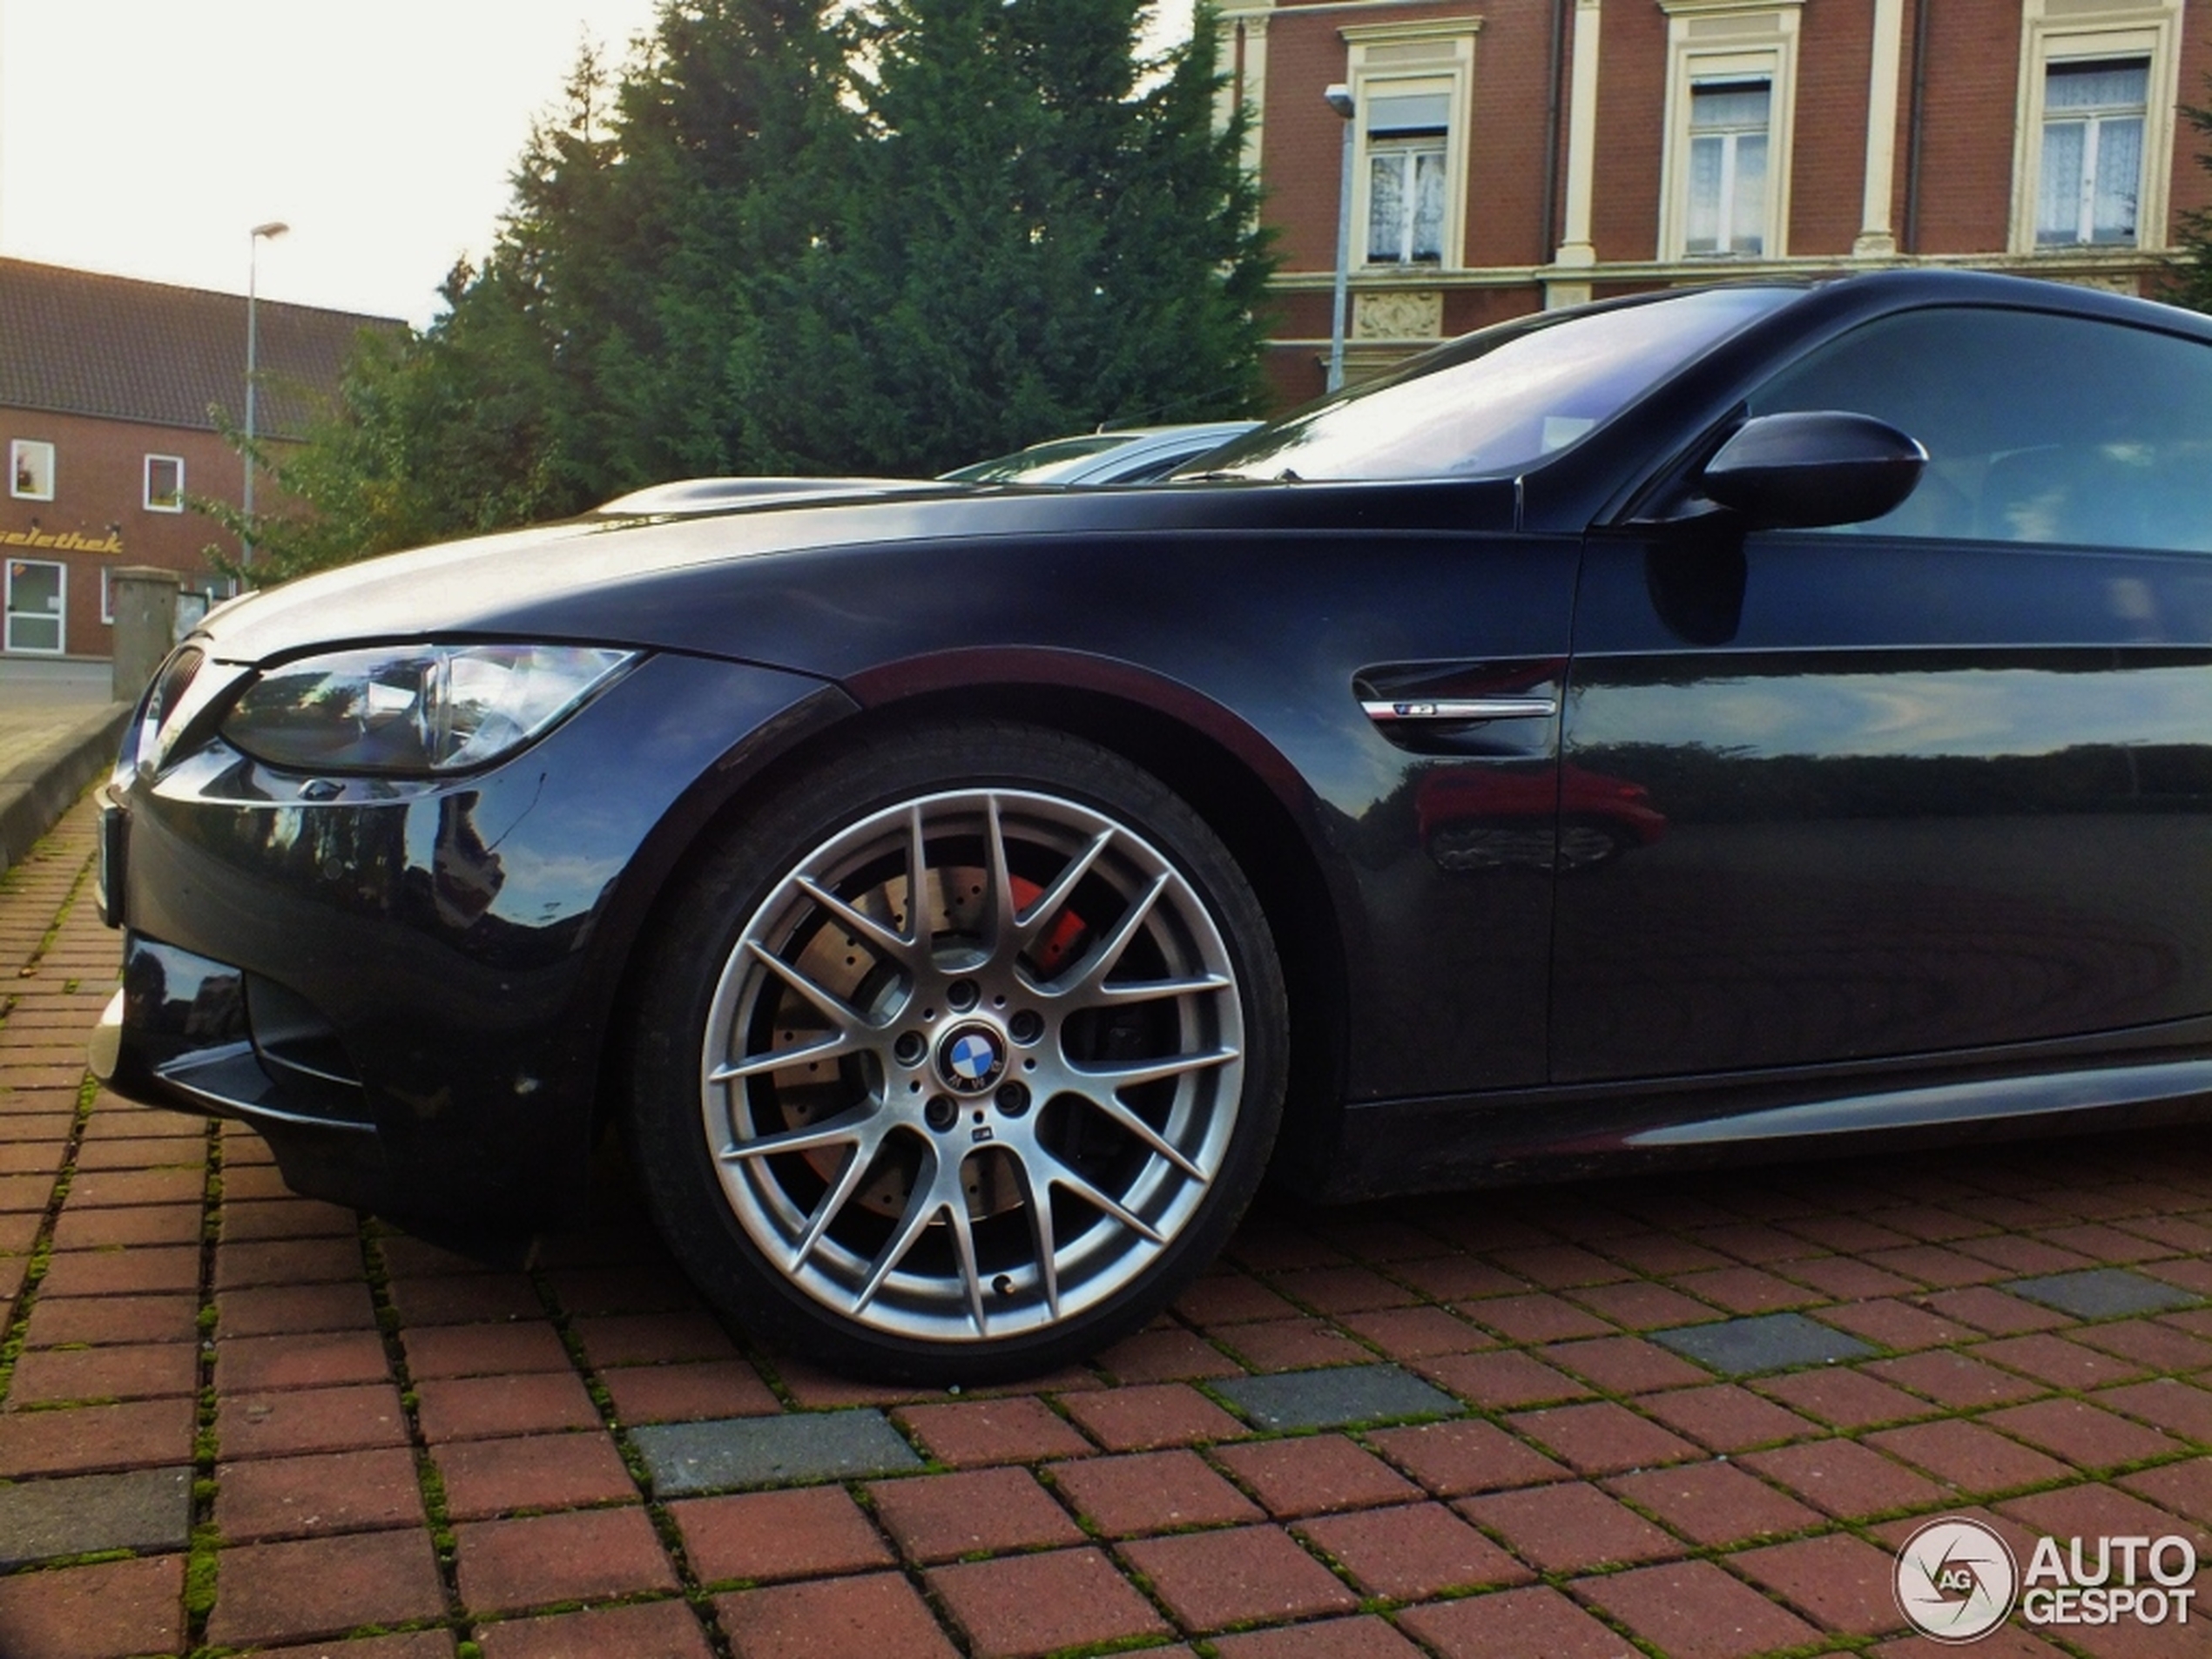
[[1247, 792]]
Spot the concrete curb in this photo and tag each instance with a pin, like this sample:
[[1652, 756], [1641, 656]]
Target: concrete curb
[[36, 792]]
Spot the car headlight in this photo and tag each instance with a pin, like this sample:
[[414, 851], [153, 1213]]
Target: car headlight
[[414, 708]]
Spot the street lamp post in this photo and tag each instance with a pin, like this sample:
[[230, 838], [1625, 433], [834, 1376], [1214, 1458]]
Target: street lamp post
[[274, 229], [1338, 96]]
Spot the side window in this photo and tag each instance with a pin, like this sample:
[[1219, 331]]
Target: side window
[[2038, 427]]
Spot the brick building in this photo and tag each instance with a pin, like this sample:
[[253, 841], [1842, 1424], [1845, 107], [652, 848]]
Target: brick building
[[106, 389], [1512, 154]]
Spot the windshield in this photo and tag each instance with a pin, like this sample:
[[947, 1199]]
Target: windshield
[[1038, 461], [1498, 401]]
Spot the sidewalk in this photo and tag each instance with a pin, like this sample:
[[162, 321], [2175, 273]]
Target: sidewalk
[[1689, 1416], [59, 730]]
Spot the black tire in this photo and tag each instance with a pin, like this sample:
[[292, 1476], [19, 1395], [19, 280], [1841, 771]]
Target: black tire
[[794, 1242]]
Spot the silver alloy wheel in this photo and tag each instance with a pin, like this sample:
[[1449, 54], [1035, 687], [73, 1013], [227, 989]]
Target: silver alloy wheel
[[980, 1115]]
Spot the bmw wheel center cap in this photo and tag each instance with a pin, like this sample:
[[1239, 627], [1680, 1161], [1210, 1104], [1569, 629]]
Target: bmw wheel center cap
[[971, 1059]]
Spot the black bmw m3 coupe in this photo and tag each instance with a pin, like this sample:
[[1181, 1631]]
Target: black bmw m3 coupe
[[1727, 723]]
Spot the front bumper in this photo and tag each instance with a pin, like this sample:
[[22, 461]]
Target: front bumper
[[408, 987]]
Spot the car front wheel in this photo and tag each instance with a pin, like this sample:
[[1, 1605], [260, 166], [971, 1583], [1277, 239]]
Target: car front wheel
[[961, 1057]]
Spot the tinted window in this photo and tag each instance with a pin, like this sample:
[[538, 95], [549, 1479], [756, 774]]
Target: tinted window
[[2038, 427], [1498, 401]]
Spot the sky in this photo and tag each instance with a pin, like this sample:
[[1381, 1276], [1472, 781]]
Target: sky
[[147, 138]]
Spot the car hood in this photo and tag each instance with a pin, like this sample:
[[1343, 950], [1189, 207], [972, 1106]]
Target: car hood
[[706, 581]]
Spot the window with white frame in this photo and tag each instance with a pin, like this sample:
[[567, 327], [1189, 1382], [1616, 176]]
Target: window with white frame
[[1408, 172], [1729, 124], [2092, 160], [2090, 188], [1725, 168], [1411, 84], [30, 469], [164, 484]]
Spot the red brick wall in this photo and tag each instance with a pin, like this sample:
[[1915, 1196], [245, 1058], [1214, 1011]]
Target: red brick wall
[[2192, 185], [1631, 111], [1828, 158], [1966, 143], [1505, 211], [99, 491]]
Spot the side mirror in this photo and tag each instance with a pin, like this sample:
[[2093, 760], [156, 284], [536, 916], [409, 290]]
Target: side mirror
[[1823, 467]]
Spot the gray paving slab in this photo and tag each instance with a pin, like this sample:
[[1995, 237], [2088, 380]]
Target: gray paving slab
[[2103, 1293], [146, 1509], [1767, 1342], [1334, 1397], [771, 1451]]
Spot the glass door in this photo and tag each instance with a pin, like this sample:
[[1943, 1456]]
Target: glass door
[[34, 615]]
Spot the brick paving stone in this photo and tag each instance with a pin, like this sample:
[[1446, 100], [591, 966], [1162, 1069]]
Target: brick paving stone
[[2057, 1361], [2088, 1512], [85, 1440], [508, 1565], [686, 1458], [687, 1392], [482, 1350], [1841, 1583], [121, 1186], [1248, 1574], [1416, 1333], [1847, 1398], [653, 1338], [1230, 1297], [1967, 1455], [2149, 1342], [96, 1612], [1570, 1529], [327, 1492], [1018, 1429], [1457, 1278], [1845, 1478], [655, 1286], [277, 1310], [1539, 1318], [246, 1222], [1603, 1439], [1955, 1379], [413, 1644], [269, 1592], [1453, 1459], [1714, 1503], [1358, 1638], [1727, 1418], [1624, 1365], [1746, 1290], [1893, 1324], [45, 1376], [1413, 1552], [472, 1407], [803, 1533], [2175, 1406], [2085, 1435], [1284, 1345], [466, 1299], [1315, 1474], [1148, 1492], [488, 1478], [1845, 1276], [323, 1360], [173, 1224], [1640, 1304], [1537, 1621], [1167, 1355], [141, 1269], [1663, 1253], [58, 1320], [1985, 1308], [2185, 1489], [940, 1517], [310, 1420], [2020, 1254], [837, 1618], [146, 1509], [285, 1261], [1503, 1380], [1558, 1267], [1759, 1245], [1023, 1605], [1343, 1289], [1694, 1611], [1143, 1419], [644, 1631], [1331, 1398], [1768, 1342]]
